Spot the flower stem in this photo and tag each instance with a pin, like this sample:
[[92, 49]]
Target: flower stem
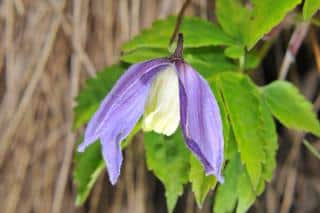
[[178, 53], [179, 20]]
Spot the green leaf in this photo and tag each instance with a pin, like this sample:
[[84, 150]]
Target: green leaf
[[197, 33], [252, 60], [265, 15], [246, 195], [269, 141], [290, 107], [252, 124], [242, 103], [201, 184], [144, 54], [237, 189], [208, 61], [227, 195], [247, 23], [88, 167], [95, 90], [310, 7], [232, 17], [228, 147], [168, 158], [312, 149], [234, 51]]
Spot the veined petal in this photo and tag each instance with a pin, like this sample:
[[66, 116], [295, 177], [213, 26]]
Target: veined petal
[[120, 111], [200, 120], [162, 107]]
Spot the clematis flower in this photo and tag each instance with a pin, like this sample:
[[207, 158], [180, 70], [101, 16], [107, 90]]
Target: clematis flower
[[163, 92]]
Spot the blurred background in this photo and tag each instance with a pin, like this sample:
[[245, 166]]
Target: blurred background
[[47, 50]]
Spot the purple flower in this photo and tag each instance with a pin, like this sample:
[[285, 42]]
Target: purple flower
[[165, 93]]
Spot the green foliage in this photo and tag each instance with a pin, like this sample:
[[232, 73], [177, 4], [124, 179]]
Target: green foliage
[[208, 61], [290, 107], [223, 111], [310, 7], [234, 51], [88, 167], [197, 33], [226, 196], [236, 189], [144, 54], [252, 131], [270, 144], [201, 184], [95, 90], [246, 194], [248, 23], [168, 158]]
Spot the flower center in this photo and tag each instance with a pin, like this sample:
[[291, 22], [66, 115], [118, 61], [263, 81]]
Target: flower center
[[162, 109]]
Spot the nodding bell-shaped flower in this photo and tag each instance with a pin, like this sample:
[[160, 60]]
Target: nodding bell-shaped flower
[[165, 92]]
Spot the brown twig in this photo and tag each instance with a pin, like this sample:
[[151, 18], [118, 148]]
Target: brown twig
[[179, 21], [315, 48], [295, 42]]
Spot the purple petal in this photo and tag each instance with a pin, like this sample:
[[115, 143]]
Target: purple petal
[[120, 111], [200, 120]]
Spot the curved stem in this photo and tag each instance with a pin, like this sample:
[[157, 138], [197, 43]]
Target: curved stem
[[179, 21]]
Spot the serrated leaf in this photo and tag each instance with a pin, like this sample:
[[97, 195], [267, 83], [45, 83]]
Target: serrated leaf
[[310, 7], [290, 107], [237, 189], [248, 22], [201, 184], [95, 90], [232, 17], [197, 33], [144, 54], [270, 141], [265, 15], [228, 146], [208, 61], [242, 103], [88, 166], [168, 158], [246, 194], [226, 196]]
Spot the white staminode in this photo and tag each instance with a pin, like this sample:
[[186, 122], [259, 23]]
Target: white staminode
[[162, 110]]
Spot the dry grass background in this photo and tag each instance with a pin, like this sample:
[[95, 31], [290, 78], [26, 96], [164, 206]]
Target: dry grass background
[[47, 49]]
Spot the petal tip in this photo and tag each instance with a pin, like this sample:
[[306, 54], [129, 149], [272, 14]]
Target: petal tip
[[218, 176], [114, 178], [81, 148]]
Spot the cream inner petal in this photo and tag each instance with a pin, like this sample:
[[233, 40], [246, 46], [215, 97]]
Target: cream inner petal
[[162, 112]]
